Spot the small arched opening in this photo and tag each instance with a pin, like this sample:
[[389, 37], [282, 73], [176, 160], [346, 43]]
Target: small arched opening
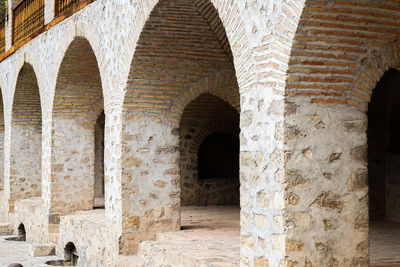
[[71, 257], [21, 232]]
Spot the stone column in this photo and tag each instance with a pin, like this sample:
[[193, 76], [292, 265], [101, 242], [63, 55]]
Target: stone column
[[326, 184], [262, 198], [150, 178]]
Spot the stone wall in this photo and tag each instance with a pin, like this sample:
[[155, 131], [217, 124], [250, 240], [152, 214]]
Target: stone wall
[[341, 49], [32, 213], [72, 168], [150, 179], [96, 244], [25, 171], [334, 175], [26, 145]]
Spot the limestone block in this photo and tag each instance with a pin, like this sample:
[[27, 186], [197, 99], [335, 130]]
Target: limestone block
[[130, 261], [5, 229], [41, 250]]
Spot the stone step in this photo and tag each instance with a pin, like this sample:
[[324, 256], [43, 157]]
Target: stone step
[[41, 250], [6, 229], [188, 249], [130, 261]]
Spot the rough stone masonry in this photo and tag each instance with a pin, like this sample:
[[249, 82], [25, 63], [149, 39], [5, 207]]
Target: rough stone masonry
[[298, 73]]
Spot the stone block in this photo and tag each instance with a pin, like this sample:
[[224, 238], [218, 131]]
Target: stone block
[[6, 229], [41, 250], [130, 261]]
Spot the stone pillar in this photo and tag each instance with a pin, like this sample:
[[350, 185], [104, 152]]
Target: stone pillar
[[262, 189], [150, 179], [72, 169], [25, 163], [326, 184]]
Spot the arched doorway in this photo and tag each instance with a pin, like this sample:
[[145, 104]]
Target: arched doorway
[[181, 52], [384, 169], [78, 134], [26, 138], [209, 152]]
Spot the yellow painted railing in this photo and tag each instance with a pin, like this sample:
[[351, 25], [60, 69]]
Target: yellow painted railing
[[28, 16], [64, 5], [2, 36]]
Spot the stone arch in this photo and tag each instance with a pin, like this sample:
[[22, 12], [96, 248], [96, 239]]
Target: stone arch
[[217, 83], [158, 75], [205, 115], [77, 105], [26, 136]]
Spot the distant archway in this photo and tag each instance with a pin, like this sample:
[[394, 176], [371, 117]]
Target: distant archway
[[26, 137], [78, 133]]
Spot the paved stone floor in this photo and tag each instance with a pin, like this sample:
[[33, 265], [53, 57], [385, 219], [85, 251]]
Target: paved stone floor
[[211, 235], [18, 252], [385, 244]]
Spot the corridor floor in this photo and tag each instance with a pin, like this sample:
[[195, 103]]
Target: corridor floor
[[385, 244], [213, 235]]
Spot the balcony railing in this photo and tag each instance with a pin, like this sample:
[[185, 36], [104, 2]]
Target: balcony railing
[[64, 5], [2, 36], [28, 16]]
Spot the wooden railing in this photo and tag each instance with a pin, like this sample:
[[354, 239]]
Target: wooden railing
[[3, 36], [28, 16], [63, 5]]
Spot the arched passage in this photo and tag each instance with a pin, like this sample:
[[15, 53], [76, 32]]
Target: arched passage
[[78, 133], [206, 120], [26, 137], [384, 168], [182, 43]]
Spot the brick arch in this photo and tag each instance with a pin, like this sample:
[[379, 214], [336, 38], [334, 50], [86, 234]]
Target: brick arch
[[236, 37], [212, 127], [332, 40], [77, 104], [216, 84], [26, 98], [26, 136], [84, 30], [372, 69], [79, 92]]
